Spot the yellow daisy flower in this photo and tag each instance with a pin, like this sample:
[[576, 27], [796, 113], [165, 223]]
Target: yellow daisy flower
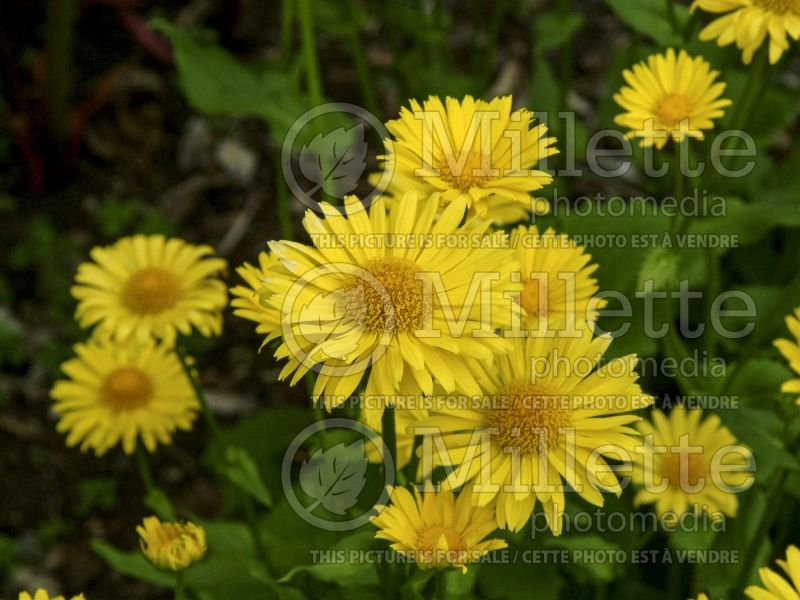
[[547, 408], [406, 294], [117, 393], [670, 96], [749, 22], [682, 480], [42, 594], [145, 286], [483, 152], [558, 290], [245, 297], [791, 352], [775, 586], [171, 546], [436, 530]]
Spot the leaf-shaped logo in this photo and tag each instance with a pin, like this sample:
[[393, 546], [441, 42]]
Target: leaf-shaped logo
[[335, 161], [335, 477]]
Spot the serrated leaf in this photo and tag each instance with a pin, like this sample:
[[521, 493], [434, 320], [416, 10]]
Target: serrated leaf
[[335, 161], [335, 477]]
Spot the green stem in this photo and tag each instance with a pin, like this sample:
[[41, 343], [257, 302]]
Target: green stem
[[440, 584], [389, 434], [287, 19], [143, 463], [180, 586], [252, 524], [59, 56], [220, 443], [309, 50], [360, 63], [284, 209], [752, 89], [673, 19], [211, 420], [712, 290], [762, 531]]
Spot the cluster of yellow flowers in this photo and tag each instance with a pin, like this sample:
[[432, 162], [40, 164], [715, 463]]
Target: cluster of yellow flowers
[[375, 317], [422, 295], [127, 382]]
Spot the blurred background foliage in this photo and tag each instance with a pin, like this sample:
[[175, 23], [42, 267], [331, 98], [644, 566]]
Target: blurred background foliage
[[122, 116]]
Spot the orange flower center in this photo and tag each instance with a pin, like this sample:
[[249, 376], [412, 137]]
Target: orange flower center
[[780, 6], [528, 417], [429, 541], [127, 389], [151, 291], [391, 300], [692, 467], [534, 297], [673, 109], [474, 171]]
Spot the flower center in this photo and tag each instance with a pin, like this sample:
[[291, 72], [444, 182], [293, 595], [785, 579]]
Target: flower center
[[472, 173], [673, 109], [391, 302], [126, 389], [671, 468], [151, 291], [534, 297], [528, 416], [430, 547], [780, 6]]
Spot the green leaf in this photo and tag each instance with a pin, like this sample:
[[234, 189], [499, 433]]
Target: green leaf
[[132, 564], [598, 571], [217, 83], [650, 18], [349, 571], [237, 466], [551, 30], [661, 266], [158, 501]]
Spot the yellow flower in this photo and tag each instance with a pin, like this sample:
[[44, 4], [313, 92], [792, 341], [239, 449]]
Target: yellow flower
[[670, 96], [702, 596], [42, 594], [115, 393], [480, 151], [436, 530], [749, 22], [245, 301], [145, 286], [405, 293], [688, 480], [547, 408], [558, 290], [791, 352], [171, 546], [775, 586]]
